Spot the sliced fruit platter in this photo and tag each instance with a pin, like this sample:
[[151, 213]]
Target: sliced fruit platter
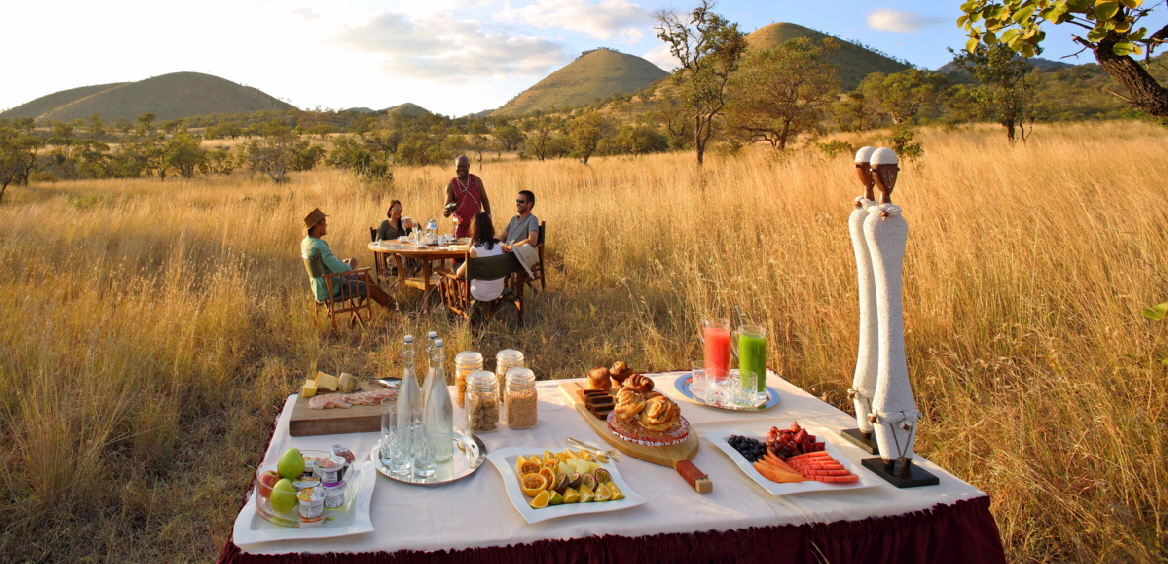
[[790, 460], [549, 485]]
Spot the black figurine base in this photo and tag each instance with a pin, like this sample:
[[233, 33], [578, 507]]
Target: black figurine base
[[866, 441], [901, 473]]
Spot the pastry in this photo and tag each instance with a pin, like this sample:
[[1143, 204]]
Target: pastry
[[659, 414], [639, 382], [620, 371], [628, 403], [598, 379]]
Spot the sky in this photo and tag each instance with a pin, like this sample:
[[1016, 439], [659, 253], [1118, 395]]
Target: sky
[[453, 57]]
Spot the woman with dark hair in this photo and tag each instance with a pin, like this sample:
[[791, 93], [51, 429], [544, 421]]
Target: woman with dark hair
[[395, 226], [484, 244]]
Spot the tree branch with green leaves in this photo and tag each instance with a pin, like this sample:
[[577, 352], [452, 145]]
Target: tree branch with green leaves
[[1113, 35]]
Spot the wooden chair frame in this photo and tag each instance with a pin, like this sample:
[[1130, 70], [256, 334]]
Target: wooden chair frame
[[455, 291], [538, 270], [333, 306]]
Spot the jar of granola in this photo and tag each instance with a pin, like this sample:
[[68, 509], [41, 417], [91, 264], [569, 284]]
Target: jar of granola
[[504, 361], [482, 402], [464, 364], [522, 401]]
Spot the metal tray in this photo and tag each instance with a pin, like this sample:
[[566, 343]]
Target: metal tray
[[682, 384], [469, 454]]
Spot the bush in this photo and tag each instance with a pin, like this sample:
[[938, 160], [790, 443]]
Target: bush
[[835, 148]]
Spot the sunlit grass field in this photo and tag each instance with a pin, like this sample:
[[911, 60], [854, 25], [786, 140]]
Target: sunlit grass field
[[151, 330]]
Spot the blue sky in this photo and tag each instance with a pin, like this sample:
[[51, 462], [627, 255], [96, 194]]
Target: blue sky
[[450, 56]]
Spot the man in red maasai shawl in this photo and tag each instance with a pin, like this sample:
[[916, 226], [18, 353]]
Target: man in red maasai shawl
[[467, 195]]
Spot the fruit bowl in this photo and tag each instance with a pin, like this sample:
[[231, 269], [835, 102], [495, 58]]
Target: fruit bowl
[[279, 501]]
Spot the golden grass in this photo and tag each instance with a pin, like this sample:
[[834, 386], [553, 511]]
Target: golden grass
[[152, 329]]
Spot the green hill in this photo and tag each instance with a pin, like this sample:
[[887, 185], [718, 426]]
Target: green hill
[[855, 62], [55, 100], [595, 74], [407, 110], [169, 96]]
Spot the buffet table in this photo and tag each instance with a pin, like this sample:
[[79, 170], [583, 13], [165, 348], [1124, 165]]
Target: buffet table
[[473, 520]]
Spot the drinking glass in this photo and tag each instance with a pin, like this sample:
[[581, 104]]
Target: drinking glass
[[422, 451], [715, 335], [395, 445], [699, 385], [742, 388]]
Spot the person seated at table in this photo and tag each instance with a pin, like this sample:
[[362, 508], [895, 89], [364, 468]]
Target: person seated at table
[[344, 287], [396, 226], [483, 244], [524, 226]]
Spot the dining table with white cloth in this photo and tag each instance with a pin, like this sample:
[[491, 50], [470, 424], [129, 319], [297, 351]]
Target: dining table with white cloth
[[476, 512]]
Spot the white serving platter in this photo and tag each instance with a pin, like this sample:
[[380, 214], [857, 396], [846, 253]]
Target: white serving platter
[[721, 437], [504, 461], [250, 528]]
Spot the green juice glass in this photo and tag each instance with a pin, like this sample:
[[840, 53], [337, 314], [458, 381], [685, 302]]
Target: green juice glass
[[749, 345]]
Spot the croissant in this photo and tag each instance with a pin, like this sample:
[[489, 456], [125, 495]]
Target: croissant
[[639, 382]]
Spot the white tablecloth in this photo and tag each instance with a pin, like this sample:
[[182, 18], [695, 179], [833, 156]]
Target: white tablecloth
[[475, 511]]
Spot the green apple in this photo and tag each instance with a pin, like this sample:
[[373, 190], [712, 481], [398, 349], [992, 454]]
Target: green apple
[[291, 465], [283, 496]]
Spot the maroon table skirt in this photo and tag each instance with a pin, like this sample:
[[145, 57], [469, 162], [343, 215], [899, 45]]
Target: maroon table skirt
[[962, 533]]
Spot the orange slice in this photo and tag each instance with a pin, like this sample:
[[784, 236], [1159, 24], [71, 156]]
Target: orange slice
[[602, 493], [541, 501]]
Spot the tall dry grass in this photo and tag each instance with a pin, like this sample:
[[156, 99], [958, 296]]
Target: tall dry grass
[[152, 329]]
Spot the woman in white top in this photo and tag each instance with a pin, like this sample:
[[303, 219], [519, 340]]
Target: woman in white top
[[484, 244]]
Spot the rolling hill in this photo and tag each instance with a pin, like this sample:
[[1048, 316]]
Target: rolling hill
[[407, 110], [168, 96], [55, 100], [855, 62], [595, 74]]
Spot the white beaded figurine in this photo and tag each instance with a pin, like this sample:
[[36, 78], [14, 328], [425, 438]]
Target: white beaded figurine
[[864, 381], [894, 411]]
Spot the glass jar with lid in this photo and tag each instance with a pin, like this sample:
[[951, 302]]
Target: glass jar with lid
[[465, 363], [506, 360], [482, 402], [522, 400]]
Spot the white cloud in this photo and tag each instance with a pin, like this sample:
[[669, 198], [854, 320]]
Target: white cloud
[[896, 21], [440, 48], [307, 14], [661, 57], [605, 19]]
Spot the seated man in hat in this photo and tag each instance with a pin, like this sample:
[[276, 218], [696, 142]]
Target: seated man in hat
[[347, 286]]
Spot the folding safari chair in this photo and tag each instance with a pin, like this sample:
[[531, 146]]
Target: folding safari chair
[[455, 291], [346, 302]]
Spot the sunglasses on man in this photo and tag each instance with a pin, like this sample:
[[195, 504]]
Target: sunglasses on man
[[520, 201]]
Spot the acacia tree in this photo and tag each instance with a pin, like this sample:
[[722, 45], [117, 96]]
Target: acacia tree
[[708, 48], [1004, 94], [586, 131], [1112, 36], [18, 153], [902, 95], [782, 92]]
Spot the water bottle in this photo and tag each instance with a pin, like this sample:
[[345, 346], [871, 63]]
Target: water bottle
[[432, 337], [439, 414], [409, 394]]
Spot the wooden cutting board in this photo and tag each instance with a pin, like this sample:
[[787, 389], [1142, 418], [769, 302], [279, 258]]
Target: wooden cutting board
[[667, 456], [357, 419]]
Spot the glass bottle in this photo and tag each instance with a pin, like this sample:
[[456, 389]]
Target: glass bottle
[[409, 393], [428, 380], [439, 418], [522, 400], [464, 363], [482, 402]]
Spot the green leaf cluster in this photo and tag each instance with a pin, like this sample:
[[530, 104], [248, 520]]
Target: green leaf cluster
[[1017, 23]]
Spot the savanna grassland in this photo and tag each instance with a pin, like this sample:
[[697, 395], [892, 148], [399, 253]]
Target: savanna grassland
[[151, 330]]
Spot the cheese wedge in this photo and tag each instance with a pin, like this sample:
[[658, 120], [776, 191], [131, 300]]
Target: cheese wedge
[[309, 389], [326, 382]]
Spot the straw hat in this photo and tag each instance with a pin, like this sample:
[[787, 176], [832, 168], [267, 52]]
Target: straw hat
[[527, 256], [313, 218]]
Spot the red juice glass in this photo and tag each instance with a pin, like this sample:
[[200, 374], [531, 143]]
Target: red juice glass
[[715, 334]]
